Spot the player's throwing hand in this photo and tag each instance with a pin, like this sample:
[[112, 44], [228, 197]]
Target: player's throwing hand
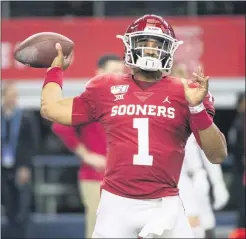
[[195, 96], [60, 60]]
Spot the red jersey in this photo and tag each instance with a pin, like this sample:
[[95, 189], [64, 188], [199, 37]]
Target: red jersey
[[146, 132], [92, 136]]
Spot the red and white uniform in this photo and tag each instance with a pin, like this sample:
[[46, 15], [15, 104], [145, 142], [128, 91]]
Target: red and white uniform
[[147, 130]]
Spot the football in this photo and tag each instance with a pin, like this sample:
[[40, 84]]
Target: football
[[39, 50]]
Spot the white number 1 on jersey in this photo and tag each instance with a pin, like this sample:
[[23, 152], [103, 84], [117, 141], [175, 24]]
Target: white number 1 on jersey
[[143, 157]]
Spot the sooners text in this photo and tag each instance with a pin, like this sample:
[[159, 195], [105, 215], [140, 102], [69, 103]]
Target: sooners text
[[151, 110]]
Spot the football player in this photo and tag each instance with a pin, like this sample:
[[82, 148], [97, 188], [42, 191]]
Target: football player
[[148, 116]]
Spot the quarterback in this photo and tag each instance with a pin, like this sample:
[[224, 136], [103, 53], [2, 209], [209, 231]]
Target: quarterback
[[148, 116]]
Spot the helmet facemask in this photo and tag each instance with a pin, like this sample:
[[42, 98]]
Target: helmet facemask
[[154, 58]]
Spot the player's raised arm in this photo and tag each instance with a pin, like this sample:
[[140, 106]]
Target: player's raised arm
[[70, 111], [209, 137]]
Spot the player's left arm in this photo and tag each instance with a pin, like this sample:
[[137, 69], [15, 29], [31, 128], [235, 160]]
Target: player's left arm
[[201, 107], [209, 137], [213, 143]]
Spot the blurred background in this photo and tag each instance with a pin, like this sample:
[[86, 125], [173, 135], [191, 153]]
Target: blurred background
[[214, 36]]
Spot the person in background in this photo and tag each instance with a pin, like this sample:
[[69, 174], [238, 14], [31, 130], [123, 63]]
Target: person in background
[[88, 142], [110, 63], [188, 196], [236, 144], [198, 171], [17, 136], [201, 173]]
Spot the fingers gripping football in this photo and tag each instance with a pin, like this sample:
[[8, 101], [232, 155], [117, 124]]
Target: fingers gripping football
[[60, 60]]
